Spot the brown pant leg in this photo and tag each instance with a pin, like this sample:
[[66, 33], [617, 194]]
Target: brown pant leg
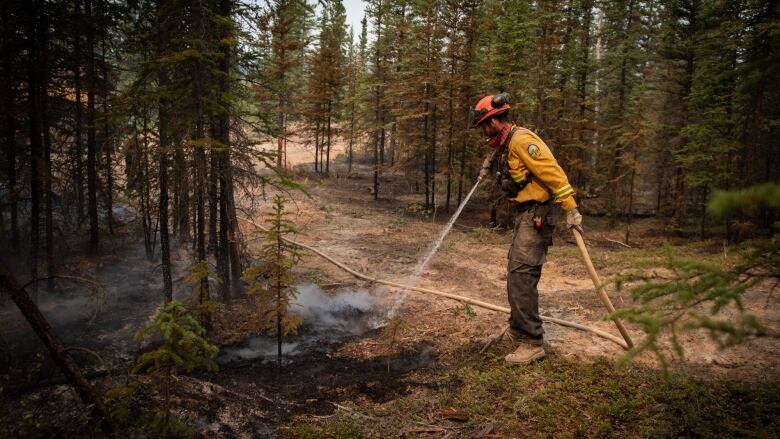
[[526, 256], [521, 282]]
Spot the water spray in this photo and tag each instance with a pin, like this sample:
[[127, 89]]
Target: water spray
[[412, 281]]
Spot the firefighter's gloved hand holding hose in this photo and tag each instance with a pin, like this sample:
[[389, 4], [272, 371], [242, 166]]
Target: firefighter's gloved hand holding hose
[[574, 220], [537, 186], [486, 165]]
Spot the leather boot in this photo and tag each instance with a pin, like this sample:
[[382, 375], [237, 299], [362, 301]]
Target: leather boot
[[526, 352]]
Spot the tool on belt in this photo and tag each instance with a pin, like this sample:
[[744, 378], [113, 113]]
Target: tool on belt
[[538, 222]]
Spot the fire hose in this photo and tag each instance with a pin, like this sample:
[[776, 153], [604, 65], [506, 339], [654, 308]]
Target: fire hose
[[625, 344], [599, 286]]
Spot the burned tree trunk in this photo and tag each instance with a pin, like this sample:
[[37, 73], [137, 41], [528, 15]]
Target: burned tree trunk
[[233, 235], [327, 154], [426, 162], [380, 133], [317, 146], [165, 249], [449, 139], [78, 175], [58, 352], [91, 142], [9, 123], [223, 126], [351, 138], [107, 144], [223, 257], [433, 159], [48, 219], [144, 183], [182, 199], [200, 182], [200, 202], [35, 138], [213, 195], [164, 144]]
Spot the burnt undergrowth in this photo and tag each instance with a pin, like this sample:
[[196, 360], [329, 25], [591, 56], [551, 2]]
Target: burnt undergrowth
[[314, 382]]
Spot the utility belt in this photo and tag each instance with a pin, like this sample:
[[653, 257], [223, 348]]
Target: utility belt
[[526, 205], [542, 215]]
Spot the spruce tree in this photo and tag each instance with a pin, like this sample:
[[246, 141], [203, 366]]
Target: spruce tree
[[271, 280]]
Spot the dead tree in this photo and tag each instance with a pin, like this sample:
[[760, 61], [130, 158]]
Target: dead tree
[[58, 352], [91, 139]]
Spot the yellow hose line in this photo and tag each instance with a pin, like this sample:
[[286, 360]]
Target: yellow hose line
[[463, 299]]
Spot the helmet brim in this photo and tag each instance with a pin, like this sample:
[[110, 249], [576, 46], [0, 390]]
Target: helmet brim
[[492, 113]]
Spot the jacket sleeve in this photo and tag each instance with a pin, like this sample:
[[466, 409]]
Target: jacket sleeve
[[531, 151], [518, 173]]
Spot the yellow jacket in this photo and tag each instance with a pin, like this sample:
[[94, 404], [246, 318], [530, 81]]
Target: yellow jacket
[[529, 157]]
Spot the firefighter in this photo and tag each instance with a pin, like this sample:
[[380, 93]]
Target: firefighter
[[530, 177]]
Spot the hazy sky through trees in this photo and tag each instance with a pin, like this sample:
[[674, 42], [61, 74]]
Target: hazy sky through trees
[[355, 10]]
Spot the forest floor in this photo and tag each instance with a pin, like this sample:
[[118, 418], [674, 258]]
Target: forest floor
[[421, 374]]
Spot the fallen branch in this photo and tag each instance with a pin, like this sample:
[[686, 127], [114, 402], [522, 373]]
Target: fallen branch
[[493, 339], [618, 242], [424, 430], [353, 411]]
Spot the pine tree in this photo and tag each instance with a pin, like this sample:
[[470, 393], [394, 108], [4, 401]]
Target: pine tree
[[711, 128], [9, 78], [326, 80], [183, 347], [681, 28], [276, 86], [271, 279], [91, 131], [378, 10]]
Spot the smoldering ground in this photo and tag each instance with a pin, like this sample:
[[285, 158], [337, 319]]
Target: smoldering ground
[[123, 294], [101, 308], [327, 320]]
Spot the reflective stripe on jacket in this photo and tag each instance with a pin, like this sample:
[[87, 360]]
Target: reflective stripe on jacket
[[529, 157]]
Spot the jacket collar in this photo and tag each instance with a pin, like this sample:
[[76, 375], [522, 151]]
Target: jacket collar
[[499, 139]]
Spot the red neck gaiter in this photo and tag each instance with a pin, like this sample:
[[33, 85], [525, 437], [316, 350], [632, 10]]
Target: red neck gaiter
[[496, 141]]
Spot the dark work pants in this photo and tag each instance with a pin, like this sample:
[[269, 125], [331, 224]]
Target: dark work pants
[[527, 254]]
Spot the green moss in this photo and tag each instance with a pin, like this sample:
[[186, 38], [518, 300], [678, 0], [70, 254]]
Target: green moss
[[337, 427], [563, 398]]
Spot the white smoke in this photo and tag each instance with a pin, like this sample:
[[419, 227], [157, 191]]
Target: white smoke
[[62, 312], [259, 347], [327, 319], [341, 313]]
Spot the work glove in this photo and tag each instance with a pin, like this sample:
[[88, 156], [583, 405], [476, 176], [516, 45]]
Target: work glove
[[574, 220], [485, 166]]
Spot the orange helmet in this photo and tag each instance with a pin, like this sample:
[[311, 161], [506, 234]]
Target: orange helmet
[[490, 106]]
